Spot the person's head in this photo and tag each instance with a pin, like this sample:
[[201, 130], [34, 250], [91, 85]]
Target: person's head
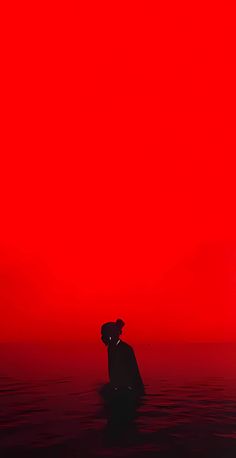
[[111, 331]]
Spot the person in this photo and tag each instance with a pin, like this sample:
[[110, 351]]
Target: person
[[123, 369]]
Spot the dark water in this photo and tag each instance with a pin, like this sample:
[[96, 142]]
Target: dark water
[[50, 403]]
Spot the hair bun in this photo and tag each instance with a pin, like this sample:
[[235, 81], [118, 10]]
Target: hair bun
[[120, 323]]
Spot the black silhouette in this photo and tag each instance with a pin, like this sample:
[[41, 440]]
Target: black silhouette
[[123, 395], [123, 368]]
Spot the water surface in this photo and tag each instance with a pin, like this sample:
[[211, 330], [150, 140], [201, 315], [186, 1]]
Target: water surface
[[51, 404]]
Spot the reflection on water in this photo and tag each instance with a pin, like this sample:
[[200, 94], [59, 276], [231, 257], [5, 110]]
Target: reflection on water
[[52, 403]]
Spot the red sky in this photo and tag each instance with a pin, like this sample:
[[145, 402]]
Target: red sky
[[117, 172]]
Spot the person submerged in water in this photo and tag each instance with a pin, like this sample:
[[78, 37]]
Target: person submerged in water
[[122, 364]]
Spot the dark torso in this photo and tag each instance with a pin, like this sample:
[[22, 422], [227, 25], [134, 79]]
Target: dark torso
[[123, 367]]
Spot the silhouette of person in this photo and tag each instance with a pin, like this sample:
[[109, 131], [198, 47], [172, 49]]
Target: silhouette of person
[[122, 364]]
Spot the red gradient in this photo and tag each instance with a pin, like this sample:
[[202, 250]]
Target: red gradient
[[117, 172]]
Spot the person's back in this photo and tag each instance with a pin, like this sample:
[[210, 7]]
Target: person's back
[[123, 368]]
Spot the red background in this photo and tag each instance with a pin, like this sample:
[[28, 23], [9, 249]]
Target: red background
[[117, 173]]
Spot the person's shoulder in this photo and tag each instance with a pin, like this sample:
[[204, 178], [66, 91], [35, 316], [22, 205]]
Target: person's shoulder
[[126, 346]]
